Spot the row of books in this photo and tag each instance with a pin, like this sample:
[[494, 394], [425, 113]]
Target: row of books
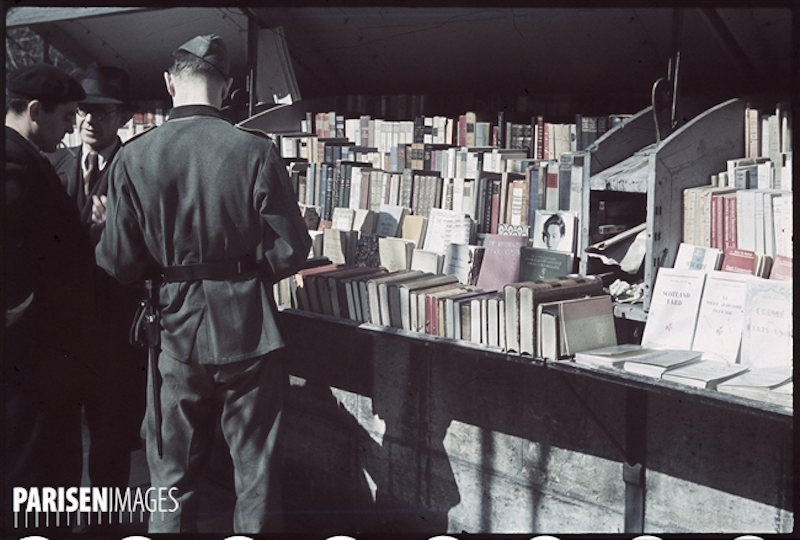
[[740, 261], [539, 139], [768, 131], [430, 303], [773, 384], [445, 241], [490, 198], [758, 220]]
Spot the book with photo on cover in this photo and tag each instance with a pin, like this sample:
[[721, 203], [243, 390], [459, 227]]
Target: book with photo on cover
[[554, 230]]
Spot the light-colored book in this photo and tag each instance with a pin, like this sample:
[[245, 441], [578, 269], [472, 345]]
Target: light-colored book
[[395, 253], [656, 363], [413, 228], [463, 261], [758, 382], [427, 261], [673, 309], [720, 320], [405, 290], [447, 227], [611, 356], [767, 336], [390, 219], [782, 395], [342, 218], [705, 373], [693, 257], [339, 245]]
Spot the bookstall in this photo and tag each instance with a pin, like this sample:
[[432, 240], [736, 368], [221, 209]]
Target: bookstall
[[443, 405]]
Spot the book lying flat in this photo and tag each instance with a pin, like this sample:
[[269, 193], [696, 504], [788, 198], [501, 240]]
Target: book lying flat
[[705, 373], [758, 382], [656, 362], [613, 356], [782, 395]]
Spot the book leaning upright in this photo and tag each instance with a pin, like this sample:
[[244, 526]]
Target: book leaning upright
[[673, 309], [767, 336], [718, 332]]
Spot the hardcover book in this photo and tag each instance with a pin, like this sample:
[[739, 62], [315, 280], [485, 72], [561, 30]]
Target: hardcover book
[[367, 251], [401, 311], [566, 327], [537, 263], [522, 298], [500, 264]]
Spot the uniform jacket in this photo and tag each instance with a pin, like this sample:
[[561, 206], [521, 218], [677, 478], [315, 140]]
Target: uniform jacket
[[198, 189], [45, 250]]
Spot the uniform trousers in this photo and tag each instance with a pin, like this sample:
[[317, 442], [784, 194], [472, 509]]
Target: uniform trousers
[[245, 399]]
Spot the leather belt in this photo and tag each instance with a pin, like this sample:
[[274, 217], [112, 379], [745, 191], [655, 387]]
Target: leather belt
[[209, 270]]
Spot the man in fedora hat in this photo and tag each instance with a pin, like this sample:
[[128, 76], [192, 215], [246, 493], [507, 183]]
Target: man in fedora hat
[[44, 252], [113, 382]]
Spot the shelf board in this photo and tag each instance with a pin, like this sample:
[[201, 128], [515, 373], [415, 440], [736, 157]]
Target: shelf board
[[629, 175], [611, 375]]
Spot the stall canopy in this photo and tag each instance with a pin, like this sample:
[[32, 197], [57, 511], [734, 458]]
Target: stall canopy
[[136, 39], [341, 49]]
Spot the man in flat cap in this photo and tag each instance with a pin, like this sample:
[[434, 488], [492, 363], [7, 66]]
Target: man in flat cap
[[201, 200], [112, 389], [45, 251]]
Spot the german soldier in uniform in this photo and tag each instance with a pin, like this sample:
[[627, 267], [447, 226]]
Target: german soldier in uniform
[[200, 199]]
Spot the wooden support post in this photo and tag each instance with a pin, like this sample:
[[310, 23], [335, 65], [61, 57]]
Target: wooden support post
[[633, 471]]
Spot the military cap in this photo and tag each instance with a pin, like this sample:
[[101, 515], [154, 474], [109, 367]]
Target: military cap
[[45, 83], [210, 48], [105, 85]]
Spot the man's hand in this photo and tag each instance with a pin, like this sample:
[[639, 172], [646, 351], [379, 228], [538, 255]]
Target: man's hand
[[99, 208]]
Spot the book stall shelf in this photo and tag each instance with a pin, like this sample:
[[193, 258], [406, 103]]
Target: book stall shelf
[[625, 164], [628, 414], [757, 408]]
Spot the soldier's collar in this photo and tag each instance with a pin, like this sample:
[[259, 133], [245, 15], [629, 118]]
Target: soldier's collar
[[183, 111]]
